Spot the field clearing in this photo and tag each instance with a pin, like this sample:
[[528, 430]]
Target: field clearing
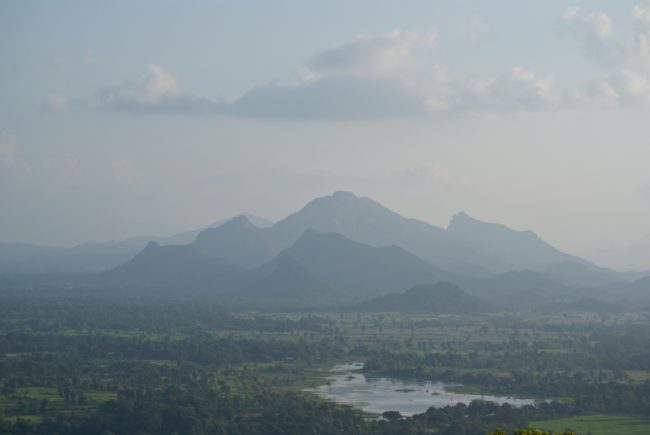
[[599, 424]]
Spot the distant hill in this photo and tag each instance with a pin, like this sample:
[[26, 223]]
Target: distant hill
[[578, 274], [637, 290], [442, 297], [237, 241], [359, 269], [258, 221], [366, 221], [341, 246], [317, 266], [466, 247], [521, 289], [286, 279], [91, 256], [516, 249], [183, 269]]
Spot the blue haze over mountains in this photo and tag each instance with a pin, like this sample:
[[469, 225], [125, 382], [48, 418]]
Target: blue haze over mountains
[[339, 248]]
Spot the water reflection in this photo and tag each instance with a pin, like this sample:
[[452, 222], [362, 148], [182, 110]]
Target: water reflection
[[378, 394]]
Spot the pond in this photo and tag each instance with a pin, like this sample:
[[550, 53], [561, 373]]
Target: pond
[[376, 394]]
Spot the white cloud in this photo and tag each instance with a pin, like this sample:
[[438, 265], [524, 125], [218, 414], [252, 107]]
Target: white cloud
[[156, 90], [8, 149], [641, 55], [570, 13], [10, 157], [629, 84], [382, 55], [13, 167], [56, 103], [475, 29], [337, 96], [595, 26], [641, 14], [390, 76], [596, 29], [600, 26], [150, 89], [519, 89]]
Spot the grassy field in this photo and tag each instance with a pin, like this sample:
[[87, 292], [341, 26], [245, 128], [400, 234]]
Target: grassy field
[[599, 425]]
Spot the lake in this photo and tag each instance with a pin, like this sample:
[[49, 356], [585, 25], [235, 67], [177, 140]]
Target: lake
[[349, 386]]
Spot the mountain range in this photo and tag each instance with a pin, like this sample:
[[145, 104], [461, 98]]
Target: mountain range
[[341, 248], [90, 256]]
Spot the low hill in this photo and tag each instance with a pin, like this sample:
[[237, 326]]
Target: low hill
[[182, 268], [361, 271], [442, 297], [520, 289], [285, 279]]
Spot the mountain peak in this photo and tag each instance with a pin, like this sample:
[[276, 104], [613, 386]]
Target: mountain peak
[[461, 221], [461, 218], [251, 218], [342, 194], [240, 221], [309, 233], [237, 241], [151, 246]]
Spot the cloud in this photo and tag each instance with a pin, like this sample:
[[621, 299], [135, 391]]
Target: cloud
[[519, 89], [570, 13], [389, 76], [641, 53], [383, 55], [475, 29], [56, 103], [154, 91], [599, 27], [596, 29], [9, 154], [641, 14], [631, 87], [332, 97], [394, 75], [8, 149], [13, 167], [629, 84]]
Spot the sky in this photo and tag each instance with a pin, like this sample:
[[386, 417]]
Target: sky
[[154, 117]]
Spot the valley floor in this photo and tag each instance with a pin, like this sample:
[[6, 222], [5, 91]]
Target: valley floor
[[72, 366]]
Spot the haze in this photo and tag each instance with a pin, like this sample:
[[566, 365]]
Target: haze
[[153, 119]]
